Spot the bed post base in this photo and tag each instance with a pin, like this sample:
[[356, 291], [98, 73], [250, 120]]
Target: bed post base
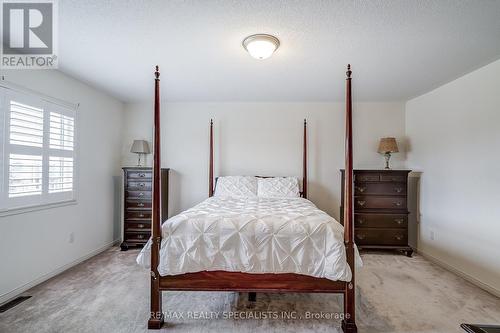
[[349, 326], [155, 322]]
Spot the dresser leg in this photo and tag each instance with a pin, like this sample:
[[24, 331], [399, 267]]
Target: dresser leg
[[124, 246], [409, 253]]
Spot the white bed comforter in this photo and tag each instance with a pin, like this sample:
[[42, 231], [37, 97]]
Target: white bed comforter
[[253, 235]]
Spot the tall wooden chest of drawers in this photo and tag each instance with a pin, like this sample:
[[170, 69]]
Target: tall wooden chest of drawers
[[137, 204], [380, 209]]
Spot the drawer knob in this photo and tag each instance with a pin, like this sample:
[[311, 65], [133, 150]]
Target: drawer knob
[[398, 189], [398, 237], [397, 203], [141, 215], [140, 204], [360, 236], [398, 221], [361, 189], [142, 184], [142, 175], [141, 194], [140, 225], [361, 202], [140, 236], [361, 221]]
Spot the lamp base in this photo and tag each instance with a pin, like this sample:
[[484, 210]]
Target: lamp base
[[387, 158]]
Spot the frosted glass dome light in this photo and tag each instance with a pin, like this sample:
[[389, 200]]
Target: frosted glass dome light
[[261, 46]]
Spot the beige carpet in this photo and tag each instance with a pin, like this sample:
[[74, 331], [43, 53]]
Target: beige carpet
[[109, 293]]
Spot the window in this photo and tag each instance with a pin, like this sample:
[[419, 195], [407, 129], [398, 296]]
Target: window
[[37, 153]]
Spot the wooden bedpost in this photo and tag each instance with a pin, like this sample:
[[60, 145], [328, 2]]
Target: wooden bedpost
[[211, 162], [156, 314], [349, 322], [304, 163]]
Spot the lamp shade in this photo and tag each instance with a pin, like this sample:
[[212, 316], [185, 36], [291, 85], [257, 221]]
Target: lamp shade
[[388, 145], [140, 146]]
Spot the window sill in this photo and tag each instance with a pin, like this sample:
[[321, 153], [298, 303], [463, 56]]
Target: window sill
[[22, 210]]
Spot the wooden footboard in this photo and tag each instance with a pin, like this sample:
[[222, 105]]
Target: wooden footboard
[[245, 282]]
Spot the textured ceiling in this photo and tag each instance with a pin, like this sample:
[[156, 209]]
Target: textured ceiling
[[398, 49]]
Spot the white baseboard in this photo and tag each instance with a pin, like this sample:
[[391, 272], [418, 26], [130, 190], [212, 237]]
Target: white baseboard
[[471, 279], [4, 298]]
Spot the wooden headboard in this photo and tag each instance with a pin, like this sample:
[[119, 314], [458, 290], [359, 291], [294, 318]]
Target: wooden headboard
[[211, 180]]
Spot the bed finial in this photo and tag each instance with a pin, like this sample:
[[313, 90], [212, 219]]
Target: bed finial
[[349, 72], [157, 72]]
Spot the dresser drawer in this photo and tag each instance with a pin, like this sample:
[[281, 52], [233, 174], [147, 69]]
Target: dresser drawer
[[381, 221], [134, 226], [364, 236], [137, 236], [393, 178], [380, 188], [138, 215], [138, 194], [367, 177], [140, 174], [133, 204], [139, 185], [375, 202]]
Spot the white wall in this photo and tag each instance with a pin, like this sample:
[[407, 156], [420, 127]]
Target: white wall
[[34, 245], [263, 139], [454, 139]]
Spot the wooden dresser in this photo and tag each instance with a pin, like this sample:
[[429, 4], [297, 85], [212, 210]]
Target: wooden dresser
[[380, 209], [137, 207]]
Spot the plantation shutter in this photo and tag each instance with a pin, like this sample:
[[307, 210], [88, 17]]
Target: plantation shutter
[[38, 154]]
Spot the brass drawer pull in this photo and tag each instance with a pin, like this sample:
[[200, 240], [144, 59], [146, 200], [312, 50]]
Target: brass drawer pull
[[361, 221], [361, 202], [141, 194], [361, 189], [398, 237], [399, 221], [140, 236], [140, 204], [142, 184], [397, 203], [141, 215], [140, 225], [142, 175], [398, 189], [360, 236]]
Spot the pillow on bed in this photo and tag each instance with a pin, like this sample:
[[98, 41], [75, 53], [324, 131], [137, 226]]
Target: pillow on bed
[[278, 187], [236, 187]]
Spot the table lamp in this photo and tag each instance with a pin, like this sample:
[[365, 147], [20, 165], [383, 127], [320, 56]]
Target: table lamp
[[140, 147], [386, 147]]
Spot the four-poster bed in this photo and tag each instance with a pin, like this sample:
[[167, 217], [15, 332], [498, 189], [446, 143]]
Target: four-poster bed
[[222, 280]]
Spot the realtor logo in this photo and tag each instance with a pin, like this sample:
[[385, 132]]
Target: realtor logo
[[29, 34]]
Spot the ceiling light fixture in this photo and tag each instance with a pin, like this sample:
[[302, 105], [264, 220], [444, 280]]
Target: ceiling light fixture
[[261, 46]]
